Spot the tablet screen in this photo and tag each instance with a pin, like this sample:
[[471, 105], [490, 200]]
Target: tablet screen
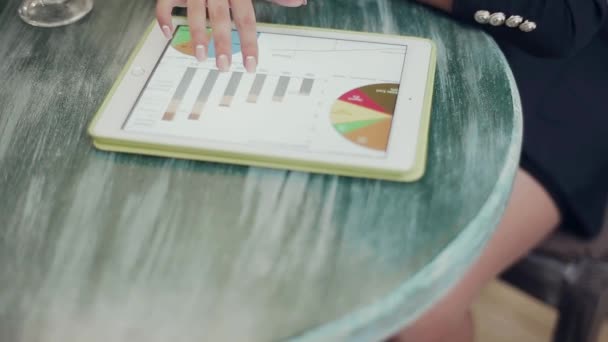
[[320, 95]]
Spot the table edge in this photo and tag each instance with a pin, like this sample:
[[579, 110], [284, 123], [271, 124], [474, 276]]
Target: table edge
[[385, 311]]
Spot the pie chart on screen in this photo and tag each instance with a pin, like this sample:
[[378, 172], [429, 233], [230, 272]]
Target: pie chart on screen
[[364, 115]]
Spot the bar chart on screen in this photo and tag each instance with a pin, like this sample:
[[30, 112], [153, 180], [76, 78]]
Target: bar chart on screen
[[253, 85], [202, 90]]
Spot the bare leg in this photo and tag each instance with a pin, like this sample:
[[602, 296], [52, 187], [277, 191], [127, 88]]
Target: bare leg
[[529, 217]]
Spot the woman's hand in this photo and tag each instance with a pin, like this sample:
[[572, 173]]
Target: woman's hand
[[219, 17]]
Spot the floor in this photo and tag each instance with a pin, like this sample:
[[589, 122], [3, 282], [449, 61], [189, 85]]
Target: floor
[[504, 314]]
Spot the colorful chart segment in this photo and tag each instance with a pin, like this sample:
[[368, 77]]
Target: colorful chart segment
[[182, 42], [365, 115]]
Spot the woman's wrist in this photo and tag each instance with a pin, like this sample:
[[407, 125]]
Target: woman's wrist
[[444, 5]]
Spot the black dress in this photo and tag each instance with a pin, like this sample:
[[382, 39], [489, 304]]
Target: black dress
[[560, 63]]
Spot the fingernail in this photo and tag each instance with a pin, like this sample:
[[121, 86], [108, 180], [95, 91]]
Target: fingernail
[[222, 63], [167, 32], [289, 3], [201, 53], [251, 64]]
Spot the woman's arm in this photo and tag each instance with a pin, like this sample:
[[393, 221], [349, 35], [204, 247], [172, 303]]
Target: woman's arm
[[555, 27]]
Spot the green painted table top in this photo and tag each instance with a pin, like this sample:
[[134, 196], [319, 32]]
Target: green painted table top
[[100, 246]]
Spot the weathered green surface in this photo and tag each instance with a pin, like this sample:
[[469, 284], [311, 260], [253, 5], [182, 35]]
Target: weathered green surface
[[99, 246]]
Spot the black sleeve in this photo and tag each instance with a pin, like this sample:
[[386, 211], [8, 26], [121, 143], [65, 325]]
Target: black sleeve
[[562, 26]]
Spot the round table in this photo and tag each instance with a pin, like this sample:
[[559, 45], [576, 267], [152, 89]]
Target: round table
[[101, 246]]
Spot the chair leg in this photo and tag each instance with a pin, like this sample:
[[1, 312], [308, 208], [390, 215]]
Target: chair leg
[[583, 304]]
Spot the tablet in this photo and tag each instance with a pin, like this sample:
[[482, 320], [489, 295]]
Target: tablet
[[326, 101]]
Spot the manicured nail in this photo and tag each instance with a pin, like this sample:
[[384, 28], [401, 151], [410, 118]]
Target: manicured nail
[[201, 53], [167, 32], [222, 63], [289, 3], [251, 64]]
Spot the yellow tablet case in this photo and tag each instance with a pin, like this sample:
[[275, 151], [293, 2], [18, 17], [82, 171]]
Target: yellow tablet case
[[415, 173]]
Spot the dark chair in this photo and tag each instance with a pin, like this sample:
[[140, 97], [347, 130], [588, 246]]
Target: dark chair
[[571, 275]]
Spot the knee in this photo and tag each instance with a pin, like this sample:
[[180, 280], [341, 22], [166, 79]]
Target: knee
[[439, 327]]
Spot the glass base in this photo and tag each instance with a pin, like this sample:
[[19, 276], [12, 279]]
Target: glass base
[[53, 13]]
